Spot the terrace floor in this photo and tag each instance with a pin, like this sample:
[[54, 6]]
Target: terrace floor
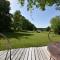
[[32, 53]]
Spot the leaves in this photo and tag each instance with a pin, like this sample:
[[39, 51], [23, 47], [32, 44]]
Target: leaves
[[55, 24], [21, 23], [40, 3], [5, 20]]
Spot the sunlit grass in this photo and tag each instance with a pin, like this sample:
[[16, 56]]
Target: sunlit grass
[[27, 39]]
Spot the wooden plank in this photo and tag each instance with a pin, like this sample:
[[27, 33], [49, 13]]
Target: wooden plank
[[30, 54], [16, 54], [39, 53], [13, 55], [23, 55], [26, 55], [13, 52], [33, 54], [47, 50], [2, 57], [20, 54], [36, 54], [2, 52], [45, 53]]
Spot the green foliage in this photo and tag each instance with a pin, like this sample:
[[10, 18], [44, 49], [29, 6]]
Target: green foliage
[[16, 20], [48, 28], [40, 3], [5, 19], [27, 25], [55, 24], [21, 23]]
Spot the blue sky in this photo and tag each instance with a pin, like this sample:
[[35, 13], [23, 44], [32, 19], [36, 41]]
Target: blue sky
[[38, 17]]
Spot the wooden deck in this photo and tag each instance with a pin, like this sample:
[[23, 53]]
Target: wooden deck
[[35, 53]]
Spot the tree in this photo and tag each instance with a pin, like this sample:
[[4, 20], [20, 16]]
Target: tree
[[27, 25], [55, 24], [40, 3], [48, 28], [17, 20], [21, 23], [5, 19]]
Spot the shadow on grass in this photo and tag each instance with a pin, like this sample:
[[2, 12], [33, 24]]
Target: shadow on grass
[[18, 35]]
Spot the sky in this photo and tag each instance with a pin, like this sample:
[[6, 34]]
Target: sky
[[39, 18]]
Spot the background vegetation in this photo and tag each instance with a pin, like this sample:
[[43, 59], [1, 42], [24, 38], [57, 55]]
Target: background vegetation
[[55, 24]]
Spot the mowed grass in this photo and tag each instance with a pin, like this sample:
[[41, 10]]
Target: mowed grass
[[27, 39]]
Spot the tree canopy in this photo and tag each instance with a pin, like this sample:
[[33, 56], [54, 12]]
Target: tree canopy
[[55, 24], [21, 23], [40, 3], [5, 19]]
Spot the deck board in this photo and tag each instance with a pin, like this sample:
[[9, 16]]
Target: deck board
[[32, 53], [36, 54], [26, 55], [20, 54]]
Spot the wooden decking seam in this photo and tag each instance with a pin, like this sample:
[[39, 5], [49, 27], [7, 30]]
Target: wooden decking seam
[[33, 53]]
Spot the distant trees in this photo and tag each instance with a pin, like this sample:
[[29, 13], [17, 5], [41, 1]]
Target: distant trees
[[27, 25], [21, 23], [5, 19], [55, 24], [48, 28]]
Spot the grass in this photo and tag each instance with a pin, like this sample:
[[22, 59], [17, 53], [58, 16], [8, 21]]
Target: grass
[[27, 39]]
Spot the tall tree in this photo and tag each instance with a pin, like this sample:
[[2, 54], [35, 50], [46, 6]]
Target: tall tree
[[55, 24], [21, 23], [5, 20], [41, 3], [18, 20]]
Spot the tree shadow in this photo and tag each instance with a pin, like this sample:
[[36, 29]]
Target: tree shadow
[[18, 35]]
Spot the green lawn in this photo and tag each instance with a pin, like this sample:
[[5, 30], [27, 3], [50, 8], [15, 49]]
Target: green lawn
[[27, 39]]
